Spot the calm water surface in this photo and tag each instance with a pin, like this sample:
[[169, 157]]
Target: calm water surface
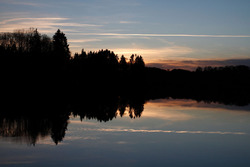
[[168, 133]]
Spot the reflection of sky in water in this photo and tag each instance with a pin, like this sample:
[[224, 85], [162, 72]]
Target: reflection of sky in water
[[169, 133]]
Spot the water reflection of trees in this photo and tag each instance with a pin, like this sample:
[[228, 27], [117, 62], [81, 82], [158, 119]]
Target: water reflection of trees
[[31, 119], [31, 129], [34, 121], [31, 122], [108, 107]]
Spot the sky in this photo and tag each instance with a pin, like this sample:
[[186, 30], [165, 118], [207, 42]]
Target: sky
[[167, 33]]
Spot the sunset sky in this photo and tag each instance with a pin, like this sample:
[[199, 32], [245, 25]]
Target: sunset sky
[[167, 33]]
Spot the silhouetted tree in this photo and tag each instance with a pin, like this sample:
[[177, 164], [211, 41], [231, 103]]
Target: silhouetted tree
[[46, 45], [123, 62], [132, 59], [61, 47], [198, 69], [35, 43], [139, 62], [83, 55]]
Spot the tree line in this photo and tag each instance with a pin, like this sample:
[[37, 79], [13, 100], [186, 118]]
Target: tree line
[[35, 64], [30, 44]]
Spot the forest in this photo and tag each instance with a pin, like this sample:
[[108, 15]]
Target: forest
[[36, 66]]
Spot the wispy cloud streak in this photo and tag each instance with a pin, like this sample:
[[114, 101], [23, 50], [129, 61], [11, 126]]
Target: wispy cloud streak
[[23, 3], [44, 24], [167, 35], [128, 22], [48, 21], [83, 40], [33, 19]]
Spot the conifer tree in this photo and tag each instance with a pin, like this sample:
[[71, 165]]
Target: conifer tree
[[61, 47]]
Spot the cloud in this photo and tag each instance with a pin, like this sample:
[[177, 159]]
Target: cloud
[[44, 24], [25, 3], [75, 44], [167, 35], [193, 64], [77, 48], [33, 19], [128, 22], [83, 40]]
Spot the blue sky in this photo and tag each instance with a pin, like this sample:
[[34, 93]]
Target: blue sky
[[166, 33]]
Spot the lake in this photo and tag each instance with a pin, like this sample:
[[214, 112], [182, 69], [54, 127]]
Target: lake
[[166, 132]]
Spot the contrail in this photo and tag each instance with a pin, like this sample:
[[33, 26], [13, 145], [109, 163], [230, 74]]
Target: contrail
[[166, 35]]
